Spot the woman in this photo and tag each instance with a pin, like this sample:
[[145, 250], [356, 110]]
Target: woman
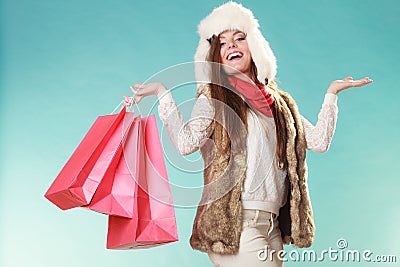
[[253, 143]]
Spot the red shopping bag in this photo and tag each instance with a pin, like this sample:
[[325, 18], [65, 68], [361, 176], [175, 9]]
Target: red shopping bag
[[153, 222], [116, 193], [78, 180]]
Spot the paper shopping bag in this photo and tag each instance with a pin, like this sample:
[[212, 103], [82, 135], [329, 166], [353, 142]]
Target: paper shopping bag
[[116, 192], [75, 185], [153, 222]]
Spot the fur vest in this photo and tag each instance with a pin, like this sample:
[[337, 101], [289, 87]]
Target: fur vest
[[218, 223]]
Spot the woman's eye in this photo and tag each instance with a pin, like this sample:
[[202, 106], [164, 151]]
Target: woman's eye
[[240, 39], [222, 44]]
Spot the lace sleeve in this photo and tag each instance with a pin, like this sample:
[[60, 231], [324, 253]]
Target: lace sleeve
[[319, 137], [188, 136]]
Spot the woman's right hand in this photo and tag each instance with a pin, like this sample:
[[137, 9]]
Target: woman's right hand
[[153, 88]]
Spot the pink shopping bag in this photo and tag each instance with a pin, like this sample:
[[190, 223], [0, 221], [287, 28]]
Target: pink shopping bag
[[153, 222], [78, 180], [116, 193]]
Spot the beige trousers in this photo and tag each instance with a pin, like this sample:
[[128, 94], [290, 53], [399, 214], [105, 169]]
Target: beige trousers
[[260, 242]]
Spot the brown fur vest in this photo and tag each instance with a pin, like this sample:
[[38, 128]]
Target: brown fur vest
[[218, 223]]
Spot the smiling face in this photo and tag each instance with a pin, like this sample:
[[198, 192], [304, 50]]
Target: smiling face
[[235, 53]]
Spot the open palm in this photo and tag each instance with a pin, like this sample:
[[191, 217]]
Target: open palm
[[340, 85]]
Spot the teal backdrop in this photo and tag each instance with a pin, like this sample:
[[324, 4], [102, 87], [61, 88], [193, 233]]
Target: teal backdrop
[[63, 63]]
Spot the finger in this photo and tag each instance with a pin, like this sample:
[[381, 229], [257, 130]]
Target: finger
[[141, 92], [368, 80], [348, 78], [125, 99], [365, 80], [137, 99], [139, 85], [134, 90], [130, 101], [361, 83], [137, 91]]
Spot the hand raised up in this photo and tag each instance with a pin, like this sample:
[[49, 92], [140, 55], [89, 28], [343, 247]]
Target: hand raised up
[[340, 85]]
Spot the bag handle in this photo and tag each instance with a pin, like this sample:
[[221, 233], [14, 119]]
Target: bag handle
[[129, 108], [115, 109]]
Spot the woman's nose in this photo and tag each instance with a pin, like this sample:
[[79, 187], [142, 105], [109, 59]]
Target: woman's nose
[[232, 44]]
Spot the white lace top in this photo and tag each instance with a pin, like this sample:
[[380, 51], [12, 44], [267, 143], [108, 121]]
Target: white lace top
[[265, 186]]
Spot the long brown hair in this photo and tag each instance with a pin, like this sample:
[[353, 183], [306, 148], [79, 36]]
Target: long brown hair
[[227, 99], [227, 123]]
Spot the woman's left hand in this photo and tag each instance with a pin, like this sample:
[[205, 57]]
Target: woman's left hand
[[340, 85]]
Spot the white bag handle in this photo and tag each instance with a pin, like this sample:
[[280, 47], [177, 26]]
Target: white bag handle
[[129, 108], [120, 103]]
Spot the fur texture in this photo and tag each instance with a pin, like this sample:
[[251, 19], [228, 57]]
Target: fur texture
[[217, 226], [233, 16]]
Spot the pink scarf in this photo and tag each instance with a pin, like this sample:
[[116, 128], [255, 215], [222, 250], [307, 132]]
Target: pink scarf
[[257, 96]]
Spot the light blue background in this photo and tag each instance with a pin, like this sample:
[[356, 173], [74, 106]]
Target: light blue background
[[63, 63]]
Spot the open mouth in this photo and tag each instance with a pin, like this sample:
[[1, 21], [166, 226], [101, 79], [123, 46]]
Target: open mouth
[[234, 56]]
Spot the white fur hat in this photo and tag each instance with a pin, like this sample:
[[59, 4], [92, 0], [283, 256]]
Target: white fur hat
[[233, 16]]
